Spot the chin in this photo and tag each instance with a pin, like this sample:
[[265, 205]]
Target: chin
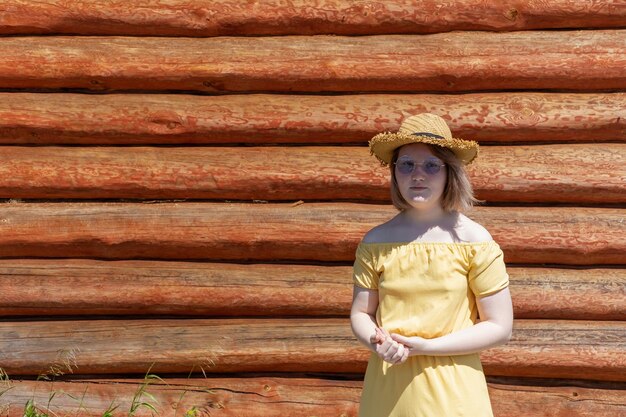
[[420, 204]]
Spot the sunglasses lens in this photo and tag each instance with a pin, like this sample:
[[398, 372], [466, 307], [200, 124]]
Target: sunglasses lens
[[405, 167], [432, 167]]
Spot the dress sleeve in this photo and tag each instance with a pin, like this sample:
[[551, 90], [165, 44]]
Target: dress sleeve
[[364, 273], [487, 274]]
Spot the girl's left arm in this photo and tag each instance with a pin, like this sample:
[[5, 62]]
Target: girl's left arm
[[494, 328]]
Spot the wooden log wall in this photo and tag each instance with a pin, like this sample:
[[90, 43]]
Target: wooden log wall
[[184, 184]]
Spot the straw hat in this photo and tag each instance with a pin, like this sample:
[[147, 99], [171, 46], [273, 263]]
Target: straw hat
[[422, 128]]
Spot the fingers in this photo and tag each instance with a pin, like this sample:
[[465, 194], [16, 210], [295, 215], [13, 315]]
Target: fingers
[[405, 356], [381, 334], [386, 345], [378, 336], [400, 356], [392, 352], [390, 347], [399, 353]]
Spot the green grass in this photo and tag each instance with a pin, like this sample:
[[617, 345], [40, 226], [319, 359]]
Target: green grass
[[66, 363]]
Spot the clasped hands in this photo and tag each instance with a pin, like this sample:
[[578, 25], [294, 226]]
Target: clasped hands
[[395, 348]]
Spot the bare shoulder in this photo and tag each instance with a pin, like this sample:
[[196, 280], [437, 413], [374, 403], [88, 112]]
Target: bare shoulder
[[470, 231], [380, 233]]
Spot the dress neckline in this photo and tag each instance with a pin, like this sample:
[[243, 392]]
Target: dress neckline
[[417, 243]]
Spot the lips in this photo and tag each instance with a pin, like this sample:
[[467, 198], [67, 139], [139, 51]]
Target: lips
[[418, 188]]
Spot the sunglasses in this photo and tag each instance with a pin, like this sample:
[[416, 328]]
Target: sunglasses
[[430, 167]]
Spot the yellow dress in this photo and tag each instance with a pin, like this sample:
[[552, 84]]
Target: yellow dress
[[428, 289]]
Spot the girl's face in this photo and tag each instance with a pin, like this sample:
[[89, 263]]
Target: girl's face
[[420, 175]]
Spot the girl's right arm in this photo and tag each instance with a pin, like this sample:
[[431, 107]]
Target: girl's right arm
[[366, 330], [363, 316]]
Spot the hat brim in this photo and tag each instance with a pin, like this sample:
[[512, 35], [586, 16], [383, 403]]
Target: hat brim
[[383, 145]]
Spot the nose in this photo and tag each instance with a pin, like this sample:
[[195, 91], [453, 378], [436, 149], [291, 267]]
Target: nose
[[418, 172]]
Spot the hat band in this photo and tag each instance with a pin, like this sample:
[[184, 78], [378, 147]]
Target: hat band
[[430, 135]]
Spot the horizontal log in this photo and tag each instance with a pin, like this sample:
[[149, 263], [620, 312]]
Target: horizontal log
[[545, 173], [459, 61], [259, 118], [539, 348], [86, 287], [305, 232], [297, 397], [342, 17]]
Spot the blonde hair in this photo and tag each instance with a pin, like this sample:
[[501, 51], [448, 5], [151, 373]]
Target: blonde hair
[[458, 194]]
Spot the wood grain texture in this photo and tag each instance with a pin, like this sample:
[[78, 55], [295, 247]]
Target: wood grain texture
[[538, 345], [298, 397], [547, 173], [91, 288], [539, 348], [263, 118], [458, 61], [229, 17], [306, 232]]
